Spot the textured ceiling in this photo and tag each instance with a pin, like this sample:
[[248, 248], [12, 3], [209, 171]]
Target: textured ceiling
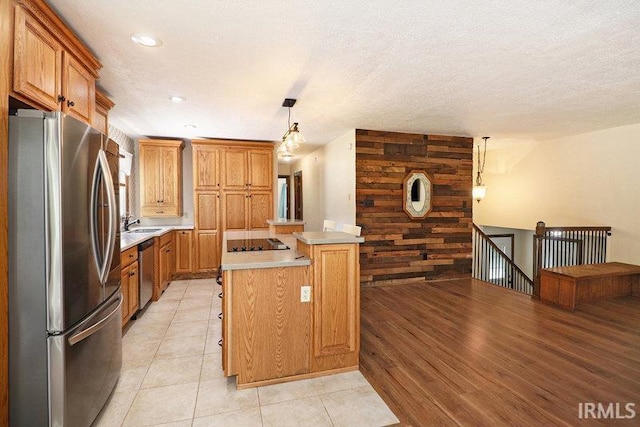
[[509, 69]]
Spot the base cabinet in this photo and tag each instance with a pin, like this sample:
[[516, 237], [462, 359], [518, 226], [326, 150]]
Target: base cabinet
[[184, 251], [164, 263], [130, 283], [271, 327]]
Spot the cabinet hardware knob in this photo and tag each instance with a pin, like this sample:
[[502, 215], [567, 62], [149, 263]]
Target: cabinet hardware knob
[[220, 316], [61, 98], [70, 103], [220, 342], [220, 295], [133, 273], [131, 255]]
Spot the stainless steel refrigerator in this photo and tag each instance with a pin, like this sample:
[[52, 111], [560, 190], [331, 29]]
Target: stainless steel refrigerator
[[65, 337]]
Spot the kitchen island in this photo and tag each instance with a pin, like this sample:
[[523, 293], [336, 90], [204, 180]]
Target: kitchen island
[[292, 312]]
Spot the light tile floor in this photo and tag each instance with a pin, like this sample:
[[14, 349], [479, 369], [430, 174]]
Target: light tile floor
[[172, 376]]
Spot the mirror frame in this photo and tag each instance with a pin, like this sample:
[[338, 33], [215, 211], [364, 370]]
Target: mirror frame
[[416, 175]]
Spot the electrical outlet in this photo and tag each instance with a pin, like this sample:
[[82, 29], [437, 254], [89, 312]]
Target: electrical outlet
[[305, 294]]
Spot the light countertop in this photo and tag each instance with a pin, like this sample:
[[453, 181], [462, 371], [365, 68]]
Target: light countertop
[[284, 221], [327, 237], [261, 259], [129, 239]]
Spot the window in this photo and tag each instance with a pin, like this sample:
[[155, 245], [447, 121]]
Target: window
[[123, 180]]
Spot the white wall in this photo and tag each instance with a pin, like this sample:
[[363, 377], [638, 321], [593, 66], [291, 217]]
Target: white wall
[[587, 179], [329, 183]]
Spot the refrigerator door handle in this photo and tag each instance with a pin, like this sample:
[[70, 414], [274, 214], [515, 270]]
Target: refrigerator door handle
[[103, 255], [86, 333], [113, 214]]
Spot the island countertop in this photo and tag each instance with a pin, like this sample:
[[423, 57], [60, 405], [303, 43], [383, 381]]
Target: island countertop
[[261, 259], [327, 237], [283, 221]]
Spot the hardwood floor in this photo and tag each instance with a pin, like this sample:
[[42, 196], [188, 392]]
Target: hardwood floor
[[464, 352]]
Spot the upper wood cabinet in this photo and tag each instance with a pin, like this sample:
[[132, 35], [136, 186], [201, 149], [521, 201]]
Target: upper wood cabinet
[[51, 68], [161, 178], [79, 89], [250, 169], [101, 114], [206, 174]]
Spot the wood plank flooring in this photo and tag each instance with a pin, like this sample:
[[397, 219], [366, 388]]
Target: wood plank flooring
[[464, 352]]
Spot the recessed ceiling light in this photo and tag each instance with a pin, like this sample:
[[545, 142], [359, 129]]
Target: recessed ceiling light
[[146, 40], [177, 99], [190, 126]]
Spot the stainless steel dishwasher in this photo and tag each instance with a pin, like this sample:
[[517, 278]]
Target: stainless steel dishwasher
[[145, 257]]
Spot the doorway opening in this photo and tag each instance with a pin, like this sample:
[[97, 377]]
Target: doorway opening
[[283, 197], [297, 194]]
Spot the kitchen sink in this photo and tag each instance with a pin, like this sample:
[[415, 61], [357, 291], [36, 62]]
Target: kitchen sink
[[145, 230]]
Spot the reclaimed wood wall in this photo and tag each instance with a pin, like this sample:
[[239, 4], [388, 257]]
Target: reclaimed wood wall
[[398, 249]]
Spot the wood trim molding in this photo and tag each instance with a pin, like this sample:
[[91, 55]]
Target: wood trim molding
[[6, 55], [103, 101], [232, 143], [43, 13]]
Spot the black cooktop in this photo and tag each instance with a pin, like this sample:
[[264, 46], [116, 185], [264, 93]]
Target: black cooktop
[[242, 245]]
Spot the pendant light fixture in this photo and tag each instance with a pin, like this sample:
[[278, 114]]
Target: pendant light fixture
[[292, 137], [479, 190]]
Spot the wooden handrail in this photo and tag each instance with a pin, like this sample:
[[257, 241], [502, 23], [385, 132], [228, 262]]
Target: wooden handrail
[[567, 245], [487, 255]]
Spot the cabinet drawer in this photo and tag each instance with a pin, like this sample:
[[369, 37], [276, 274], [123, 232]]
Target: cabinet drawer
[[166, 238], [128, 256]]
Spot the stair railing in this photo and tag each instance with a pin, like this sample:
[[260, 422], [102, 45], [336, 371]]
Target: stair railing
[[564, 246], [492, 265]]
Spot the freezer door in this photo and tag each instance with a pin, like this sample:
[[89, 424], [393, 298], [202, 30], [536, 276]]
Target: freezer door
[[84, 366]]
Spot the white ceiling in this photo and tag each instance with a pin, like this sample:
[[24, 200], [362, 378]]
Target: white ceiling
[[510, 69]]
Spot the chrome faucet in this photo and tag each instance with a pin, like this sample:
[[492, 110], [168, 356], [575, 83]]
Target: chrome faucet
[[128, 223]]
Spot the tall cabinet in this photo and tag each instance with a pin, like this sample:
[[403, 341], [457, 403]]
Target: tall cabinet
[[233, 190]]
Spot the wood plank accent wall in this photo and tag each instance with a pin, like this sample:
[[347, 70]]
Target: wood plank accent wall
[[6, 53], [397, 249]]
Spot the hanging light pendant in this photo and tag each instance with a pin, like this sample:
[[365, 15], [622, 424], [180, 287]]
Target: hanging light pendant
[[480, 190], [292, 137]]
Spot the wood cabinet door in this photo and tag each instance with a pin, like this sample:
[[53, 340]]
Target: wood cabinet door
[[134, 286], [335, 305], [260, 169], [37, 61], [205, 168], [207, 211], [270, 326], [234, 167], [184, 251], [170, 165], [260, 210], [207, 257], [150, 176], [79, 89], [164, 267], [235, 210], [124, 289]]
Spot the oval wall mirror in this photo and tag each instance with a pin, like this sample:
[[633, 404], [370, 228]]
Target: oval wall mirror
[[417, 194]]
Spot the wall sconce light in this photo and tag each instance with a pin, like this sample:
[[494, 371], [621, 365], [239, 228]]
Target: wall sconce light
[[479, 190]]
